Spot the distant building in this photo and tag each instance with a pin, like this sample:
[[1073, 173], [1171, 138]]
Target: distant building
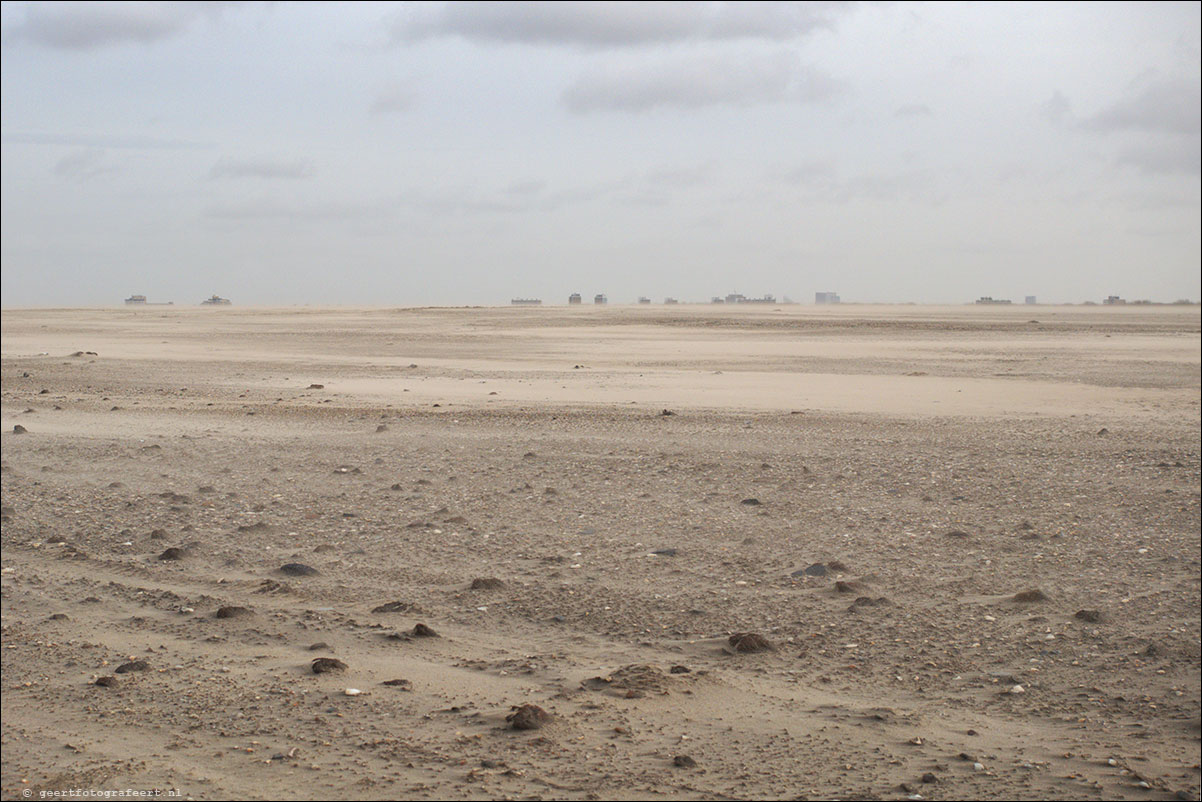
[[1114, 300], [987, 300], [735, 298], [1030, 301], [716, 300], [739, 298], [600, 298], [526, 302], [644, 300], [826, 298], [134, 300], [215, 300], [574, 298], [669, 301]]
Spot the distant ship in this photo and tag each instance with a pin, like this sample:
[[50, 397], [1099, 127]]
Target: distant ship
[[215, 300]]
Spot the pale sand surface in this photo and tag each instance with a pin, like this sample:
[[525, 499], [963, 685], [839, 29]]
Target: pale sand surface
[[936, 460]]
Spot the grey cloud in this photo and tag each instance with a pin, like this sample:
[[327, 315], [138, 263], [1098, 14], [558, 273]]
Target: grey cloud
[[808, 173], [914, 110], [1167, 106], [86, 26], [394, 98], [679, 177], [525, 188], [82, 165], [274, 210], [919, 186], [606, 24], [1181, 156], [261, 168], [699, 81], [527, 196], [101, 141], [1056, 108], [818, 181]]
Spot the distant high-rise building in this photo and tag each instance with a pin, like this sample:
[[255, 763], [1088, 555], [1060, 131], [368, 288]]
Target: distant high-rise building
[[644, 299], [574, 298], [600, 298], [1030, 301], [986, 300], [1114, 300], [668, 301], [135, 299], [826, 297]]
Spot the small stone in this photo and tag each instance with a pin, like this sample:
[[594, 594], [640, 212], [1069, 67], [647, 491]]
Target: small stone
[[423, 631], [528, 717], [1027, 596], [352, 692], [667, 413], [680, 670], [298, 569], [232, 611], [133, 665], [749, 643], [172, 553], [403, 684], [1092, 616], [393, 607], [106, 682], [19, 429], [817, 569], [319, 646], [978, 767], [750, 502], [487, 583], [317, 387], [664, 552], [929, 778], [1016, 689], [684, 762], [325, 665]]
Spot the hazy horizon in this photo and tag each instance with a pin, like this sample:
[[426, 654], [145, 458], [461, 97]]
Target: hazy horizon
[[470, 153]]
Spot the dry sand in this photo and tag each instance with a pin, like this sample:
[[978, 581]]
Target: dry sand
[[934, 461]]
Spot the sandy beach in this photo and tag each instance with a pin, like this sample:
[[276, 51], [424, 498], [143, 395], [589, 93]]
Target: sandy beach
[[780, 552]]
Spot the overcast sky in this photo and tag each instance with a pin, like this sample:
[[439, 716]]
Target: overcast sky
[[411, 154]]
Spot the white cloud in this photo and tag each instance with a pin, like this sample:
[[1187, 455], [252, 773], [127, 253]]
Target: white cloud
[[694, 82]]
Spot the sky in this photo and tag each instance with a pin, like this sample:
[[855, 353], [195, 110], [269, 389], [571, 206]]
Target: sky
[[469, 153]]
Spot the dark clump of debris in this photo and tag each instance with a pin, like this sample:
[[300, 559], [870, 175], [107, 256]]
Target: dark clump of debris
[[749, 643], [528, 717], [325, 665]]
